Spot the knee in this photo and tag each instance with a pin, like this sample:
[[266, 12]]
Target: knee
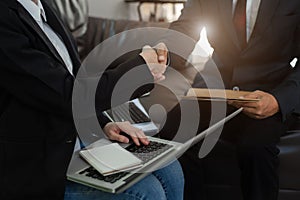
[[172, 180], [171, 175], [147, 189]]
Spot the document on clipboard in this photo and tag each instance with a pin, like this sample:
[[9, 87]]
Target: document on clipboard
[[218, 95]]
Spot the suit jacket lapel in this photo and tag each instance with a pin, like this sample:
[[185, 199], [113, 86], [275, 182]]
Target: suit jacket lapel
[[225, 7], [30, 21], [264, 17], [60, 29]]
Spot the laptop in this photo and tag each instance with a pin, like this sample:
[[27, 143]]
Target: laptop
[[162, 152], [134, 112]]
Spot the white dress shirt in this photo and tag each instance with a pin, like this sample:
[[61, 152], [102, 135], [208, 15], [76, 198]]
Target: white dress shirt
[[251, 14], [37, 12]]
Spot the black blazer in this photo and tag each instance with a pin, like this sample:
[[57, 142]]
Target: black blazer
[[37, 132], [265, 63]]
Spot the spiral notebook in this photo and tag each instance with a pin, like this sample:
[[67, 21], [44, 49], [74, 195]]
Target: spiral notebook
[[110, 159]]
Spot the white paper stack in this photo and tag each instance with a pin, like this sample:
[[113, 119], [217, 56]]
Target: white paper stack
[[110, 159]]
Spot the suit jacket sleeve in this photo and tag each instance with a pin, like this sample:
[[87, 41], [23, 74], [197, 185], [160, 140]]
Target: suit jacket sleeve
[[190, 21], [190, 24], [288, 92], [35, 77], [142, 83]]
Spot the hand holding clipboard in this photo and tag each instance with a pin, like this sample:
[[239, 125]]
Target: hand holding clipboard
[[257, 104]]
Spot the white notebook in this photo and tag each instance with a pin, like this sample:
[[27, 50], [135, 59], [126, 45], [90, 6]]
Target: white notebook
[[111, 159]]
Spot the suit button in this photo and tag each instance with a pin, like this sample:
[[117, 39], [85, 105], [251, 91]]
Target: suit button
[[236, 88]]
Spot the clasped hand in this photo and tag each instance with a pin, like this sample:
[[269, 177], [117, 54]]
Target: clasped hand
[[266, 106], [156, 59]]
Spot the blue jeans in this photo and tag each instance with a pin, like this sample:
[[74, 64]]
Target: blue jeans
[[166, 183]]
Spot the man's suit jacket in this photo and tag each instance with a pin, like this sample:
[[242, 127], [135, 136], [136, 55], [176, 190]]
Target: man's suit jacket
[[37, 131], [265, 63]]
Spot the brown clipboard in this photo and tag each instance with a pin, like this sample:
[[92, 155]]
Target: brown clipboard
[[218, 95]]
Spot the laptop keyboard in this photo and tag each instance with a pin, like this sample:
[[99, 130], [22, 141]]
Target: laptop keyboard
[[143, 152], [93, 173], [129, 112], [148, 152]]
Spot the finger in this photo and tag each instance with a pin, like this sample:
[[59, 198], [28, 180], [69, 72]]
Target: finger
[[249, 113], [145, 141], [254, 95], [162, 52], [161, 78], [234, 103], [239, 104], [146, 48], [158, 68], [248, 105], [118, 137], [110, 128], [127, 128], [161, 49], [133, 132], [250, 110], [158, 78], [162, 55], [254, 113], [142, 137], [135, 139], [162, 59]]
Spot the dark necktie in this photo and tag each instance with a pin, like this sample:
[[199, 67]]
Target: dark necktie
[[239, 21]]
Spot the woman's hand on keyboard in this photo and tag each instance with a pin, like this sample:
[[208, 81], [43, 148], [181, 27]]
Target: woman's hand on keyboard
[[113, 131]]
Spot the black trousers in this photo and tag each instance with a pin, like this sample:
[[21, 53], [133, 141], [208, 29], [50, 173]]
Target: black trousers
[[249, 143]]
